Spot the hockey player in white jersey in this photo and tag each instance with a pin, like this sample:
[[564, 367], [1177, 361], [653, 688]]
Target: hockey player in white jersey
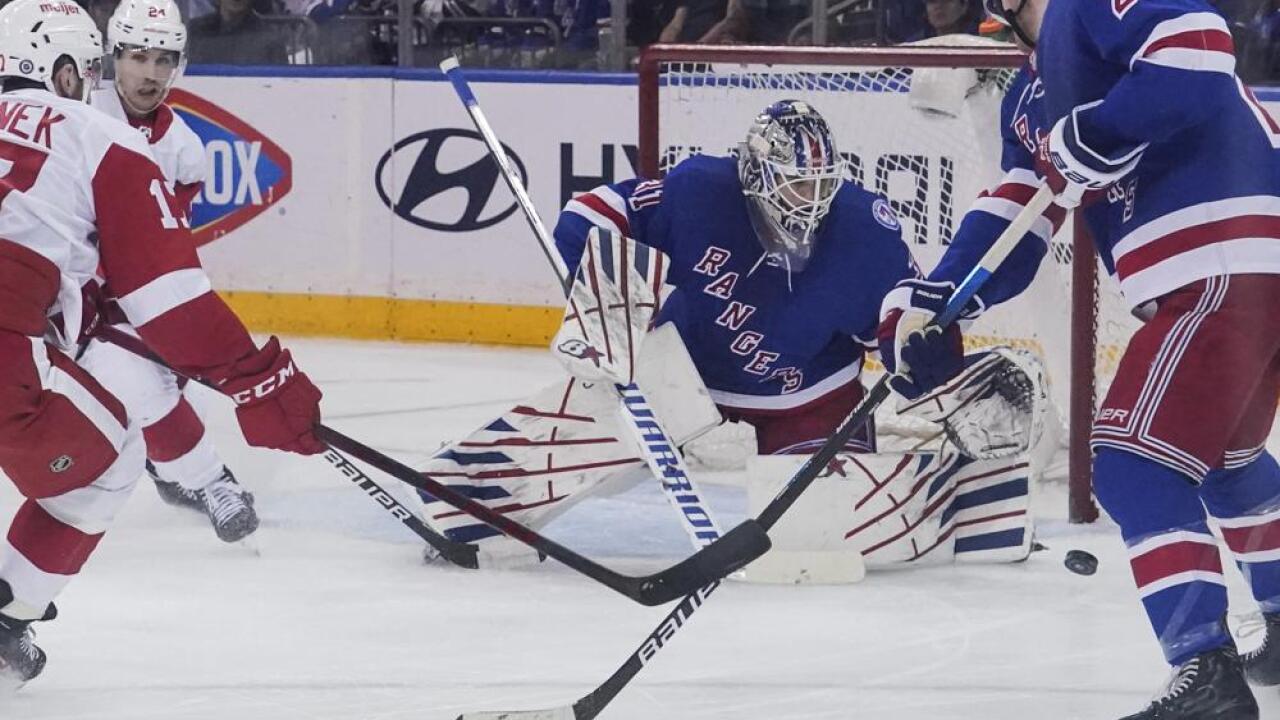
[[83, 200], [146, 41]]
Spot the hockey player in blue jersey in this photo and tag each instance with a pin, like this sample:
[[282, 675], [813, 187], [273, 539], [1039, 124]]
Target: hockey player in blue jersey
[[1131, 111], [775, 269], [779, 268]]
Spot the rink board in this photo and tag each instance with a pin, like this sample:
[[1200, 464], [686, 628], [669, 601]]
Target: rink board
[[395, 224], [358, 202]]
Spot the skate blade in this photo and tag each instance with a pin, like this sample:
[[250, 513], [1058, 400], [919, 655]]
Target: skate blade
[[249, 543], [10, 685]]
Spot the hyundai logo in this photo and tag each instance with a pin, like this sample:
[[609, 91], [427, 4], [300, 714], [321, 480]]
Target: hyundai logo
[[444, 179]]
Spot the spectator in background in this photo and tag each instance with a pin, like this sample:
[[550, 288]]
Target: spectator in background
[[319, 11], [913, 20], [1255, 27], [581, 24], [100, 11], [235, 34], [691, 21], [950, 17]]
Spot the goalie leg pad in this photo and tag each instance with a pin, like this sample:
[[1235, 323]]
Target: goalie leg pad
[[904, 508], [532, 463]]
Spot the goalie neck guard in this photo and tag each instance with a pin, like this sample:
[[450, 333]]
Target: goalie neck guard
[[790, 172]]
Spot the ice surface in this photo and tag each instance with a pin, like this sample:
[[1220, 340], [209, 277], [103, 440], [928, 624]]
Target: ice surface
[[339, 618]]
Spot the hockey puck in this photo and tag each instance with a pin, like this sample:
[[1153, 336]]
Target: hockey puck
[[1081, 562]]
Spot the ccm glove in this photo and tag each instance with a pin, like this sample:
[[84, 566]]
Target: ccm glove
[[1073, 171], [919, 356], [277, 405]]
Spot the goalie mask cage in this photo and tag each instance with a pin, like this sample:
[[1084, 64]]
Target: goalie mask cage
[[919, 125]]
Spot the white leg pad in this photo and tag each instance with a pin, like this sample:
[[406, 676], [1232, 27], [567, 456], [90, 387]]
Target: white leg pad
[[889, 509]]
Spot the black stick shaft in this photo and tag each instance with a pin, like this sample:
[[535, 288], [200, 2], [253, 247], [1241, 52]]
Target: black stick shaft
[[458, 553]]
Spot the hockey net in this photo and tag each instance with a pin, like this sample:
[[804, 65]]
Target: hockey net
[[919, 125]]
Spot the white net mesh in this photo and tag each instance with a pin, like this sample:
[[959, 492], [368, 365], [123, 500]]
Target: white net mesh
[[928, 139]]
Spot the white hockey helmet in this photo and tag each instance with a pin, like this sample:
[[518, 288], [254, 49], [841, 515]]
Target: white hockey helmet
[[147, 24], [35, 33]]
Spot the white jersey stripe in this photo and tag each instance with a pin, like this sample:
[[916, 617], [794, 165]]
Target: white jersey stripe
[[164, 294]]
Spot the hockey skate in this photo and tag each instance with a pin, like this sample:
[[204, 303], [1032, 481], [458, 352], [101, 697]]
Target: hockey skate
[[20, 658], [1262, 666], [229, 507], [1209, 686], [174, 494]]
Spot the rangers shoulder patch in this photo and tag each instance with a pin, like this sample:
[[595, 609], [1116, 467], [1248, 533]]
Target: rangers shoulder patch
[[884, 214]]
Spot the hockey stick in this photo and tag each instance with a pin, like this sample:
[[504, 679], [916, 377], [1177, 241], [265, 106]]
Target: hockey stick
[[462, 554], [734, 550], [590, 705], [737, 548], [661, 454]]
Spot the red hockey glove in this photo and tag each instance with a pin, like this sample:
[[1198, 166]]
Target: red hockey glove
[[277, 405]]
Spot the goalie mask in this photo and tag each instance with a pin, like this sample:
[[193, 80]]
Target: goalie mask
[[790, 172]]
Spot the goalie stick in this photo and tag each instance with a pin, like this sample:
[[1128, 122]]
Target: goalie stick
[[662, 456], [731, 552], [590, 705]]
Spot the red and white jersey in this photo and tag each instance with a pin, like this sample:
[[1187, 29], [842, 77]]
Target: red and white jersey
[[82, 192], [175, 146]]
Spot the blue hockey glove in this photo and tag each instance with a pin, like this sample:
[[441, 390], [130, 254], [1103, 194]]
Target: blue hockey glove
[[920, 357], [1074, 170]]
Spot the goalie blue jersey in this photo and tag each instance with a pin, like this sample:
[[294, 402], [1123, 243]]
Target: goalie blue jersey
[[1155, 75], [761, 338]]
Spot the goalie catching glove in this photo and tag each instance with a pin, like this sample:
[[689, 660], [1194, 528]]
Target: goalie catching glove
[[995, 408], [615, 295]]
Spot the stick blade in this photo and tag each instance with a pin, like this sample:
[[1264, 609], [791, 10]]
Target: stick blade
[[559, 713], [730, 553]]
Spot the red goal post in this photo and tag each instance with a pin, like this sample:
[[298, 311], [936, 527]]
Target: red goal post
[[930, 153]]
